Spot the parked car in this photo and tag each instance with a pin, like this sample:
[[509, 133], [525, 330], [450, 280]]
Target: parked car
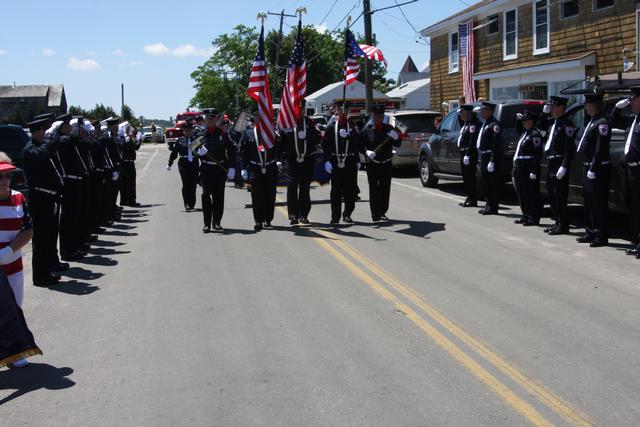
[[12, 141], [173, 134], [146, 134], [439, 156], [417, 126]]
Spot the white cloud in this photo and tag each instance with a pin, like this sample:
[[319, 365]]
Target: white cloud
[[48, 52], [321, 28], [3, 52], [135, 63], [118, 52], [182, 51], [83, 65]]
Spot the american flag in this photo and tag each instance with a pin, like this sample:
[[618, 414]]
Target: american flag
[[351, 53], [295, 85], [467, 58], [259, 91], [373, 52]]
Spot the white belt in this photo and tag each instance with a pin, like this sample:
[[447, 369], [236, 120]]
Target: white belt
[[129, 161], [555, 156], [100, 169], [342, 155], [207, 162], [525, 157], [486, 151], [606, 162], [44, 190], [73, 177], [260, 164], [633, 164]]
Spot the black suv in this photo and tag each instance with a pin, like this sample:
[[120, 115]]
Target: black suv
[[440, 156], [12, 141]]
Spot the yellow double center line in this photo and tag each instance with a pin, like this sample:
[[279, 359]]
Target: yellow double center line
[[364, 268]]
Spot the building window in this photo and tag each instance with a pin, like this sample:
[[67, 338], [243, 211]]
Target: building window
[[569, 9], [454, 52], [510, 38], [493, 24], [541, 27], [602, 4]]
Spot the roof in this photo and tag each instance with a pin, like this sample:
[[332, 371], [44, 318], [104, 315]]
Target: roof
[[409, 66], [54, 93], [407, 88], [338, 85], [470, 11]]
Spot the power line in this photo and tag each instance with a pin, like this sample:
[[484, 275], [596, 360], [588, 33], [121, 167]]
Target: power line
[[327, 15]]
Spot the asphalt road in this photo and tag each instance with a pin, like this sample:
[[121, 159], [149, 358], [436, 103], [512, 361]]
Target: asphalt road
[[441, 317]]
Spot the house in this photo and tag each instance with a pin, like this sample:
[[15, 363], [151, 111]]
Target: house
[[532, 48], [409, 72], [23, 102], [321, 100], [413, 95]]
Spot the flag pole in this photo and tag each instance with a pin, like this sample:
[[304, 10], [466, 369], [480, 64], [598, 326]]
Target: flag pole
[[344, 78], [299, 11]]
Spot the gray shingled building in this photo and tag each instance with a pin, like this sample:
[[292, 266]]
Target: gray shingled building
[[29, 100]]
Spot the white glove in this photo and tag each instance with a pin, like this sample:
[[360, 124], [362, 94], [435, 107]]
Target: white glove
[[358, 166], [244, 174], [519, 116], [343, 133], [477, 109], [168, 167], [591, 175], [491, 167], [5, 255], [202, 151], [562, 171], [623, 103], [328, 166], [302, 134], [231, 173], [115, 175], [532, 176], [393, 134], [371, 154], [279, 165], [466, 160], [546, 109]]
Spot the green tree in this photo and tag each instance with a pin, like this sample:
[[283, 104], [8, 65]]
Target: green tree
[[128, 115]]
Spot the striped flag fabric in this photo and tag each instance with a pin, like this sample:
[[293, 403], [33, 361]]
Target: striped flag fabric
[[373, 52], [351, 53], [258, 90], [295, 85], [467, 58]]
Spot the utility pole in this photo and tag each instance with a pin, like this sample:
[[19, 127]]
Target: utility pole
[[121, 98], [277, 65], [368, 64]]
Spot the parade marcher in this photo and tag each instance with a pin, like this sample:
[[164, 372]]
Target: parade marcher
[[632, 159], [341, 148], [97, 177], [45, 193], [593, 149], [215, 154], [128, 168], [84, 150], [113, 146], [187, 164], [297, 148], [526, 162], [469, 153], [378, 142], [489, 145], [16, 340], [559, 149], [260, 165]]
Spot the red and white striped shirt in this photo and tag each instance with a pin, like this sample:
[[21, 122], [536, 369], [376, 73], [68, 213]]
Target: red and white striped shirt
[[14, 217]]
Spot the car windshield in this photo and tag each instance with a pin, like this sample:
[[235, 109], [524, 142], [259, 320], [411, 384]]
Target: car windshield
[[417, 122], [146, 129]]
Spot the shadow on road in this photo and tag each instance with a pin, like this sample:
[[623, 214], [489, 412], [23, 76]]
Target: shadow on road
[[414, 228], [34, 377], [81, 273], [75, 287]]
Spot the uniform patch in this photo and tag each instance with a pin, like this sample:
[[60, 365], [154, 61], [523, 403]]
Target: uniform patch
[[637, 128], [472, 128], [537, 140], [569, 131], [603, 129], [496, 128]]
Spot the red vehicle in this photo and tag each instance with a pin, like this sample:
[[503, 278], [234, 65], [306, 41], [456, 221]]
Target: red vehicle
[[188, 115], [173, 133]]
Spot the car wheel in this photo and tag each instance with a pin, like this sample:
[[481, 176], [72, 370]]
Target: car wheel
[[426, 173]]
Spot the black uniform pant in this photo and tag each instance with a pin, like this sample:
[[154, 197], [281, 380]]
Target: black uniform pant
[[298, 197], [344, 185], [44, 213], [528, 189], [128, 183], [212, 179], [469, 177], [596, 201], [108, 191], [558, 191], [86, 208], [633, 194], [71, 221], [491, 182], [96, 198], [263, 192], [189, 175], [379, 178]]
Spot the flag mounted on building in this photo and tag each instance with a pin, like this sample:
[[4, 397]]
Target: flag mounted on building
[[258, 90], [467, 59], [295, 85]]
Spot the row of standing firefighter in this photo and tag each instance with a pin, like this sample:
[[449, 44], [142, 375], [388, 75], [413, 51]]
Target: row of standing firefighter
[[481, 144], [75, 169], [206, 154]]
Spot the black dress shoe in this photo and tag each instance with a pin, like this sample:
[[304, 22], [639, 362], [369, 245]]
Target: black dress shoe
[[92, 238], [98, 230], [61, 266], [558, 230], [257, 227], [294, 221], [135, 205], [520, 221], [375, 218], [347, 219], [75, 256], [531, 223], [267, 225], [206, 229], [217, 228], [587, 238], [384, 218], [633, 251], [598, 242], [304, 221], [482, 211], [334, 221], [548, 229], [490, 212], [46, 281]]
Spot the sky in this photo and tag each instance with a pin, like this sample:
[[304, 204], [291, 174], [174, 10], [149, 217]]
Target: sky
[[153, 46]]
